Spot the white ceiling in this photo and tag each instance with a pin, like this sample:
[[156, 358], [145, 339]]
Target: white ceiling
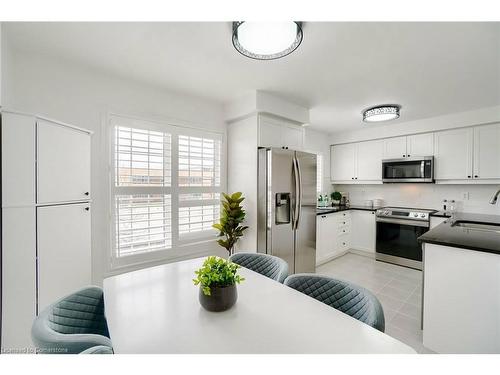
[[341, 68]]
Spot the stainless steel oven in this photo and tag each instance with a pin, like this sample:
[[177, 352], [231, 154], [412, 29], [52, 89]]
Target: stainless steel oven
[[414, 169], [397, 232]]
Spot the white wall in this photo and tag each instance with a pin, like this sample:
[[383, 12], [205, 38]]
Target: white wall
[[454, 120], [81, 96], [426, 195], [423, 195], [319, 142]]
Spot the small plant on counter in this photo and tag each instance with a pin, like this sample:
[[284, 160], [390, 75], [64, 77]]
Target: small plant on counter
[[232, 215], [217, 273], [336, 196]]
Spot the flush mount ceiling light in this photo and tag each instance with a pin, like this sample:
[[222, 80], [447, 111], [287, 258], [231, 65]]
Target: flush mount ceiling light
[[381, 113], [266, 40]]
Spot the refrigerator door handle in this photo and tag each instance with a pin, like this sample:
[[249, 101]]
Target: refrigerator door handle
[[295, 193], [299, 201]]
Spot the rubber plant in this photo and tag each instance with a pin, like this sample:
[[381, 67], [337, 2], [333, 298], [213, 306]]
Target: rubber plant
[[232, 216]]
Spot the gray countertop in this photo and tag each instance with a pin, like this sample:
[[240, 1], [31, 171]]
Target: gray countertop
[[333, 209], [447, 234]]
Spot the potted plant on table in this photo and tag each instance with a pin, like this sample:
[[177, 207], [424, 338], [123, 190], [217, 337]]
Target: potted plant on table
[[232, 215], [217, 279]]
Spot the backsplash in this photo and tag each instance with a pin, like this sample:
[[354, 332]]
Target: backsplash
[[426, 196]]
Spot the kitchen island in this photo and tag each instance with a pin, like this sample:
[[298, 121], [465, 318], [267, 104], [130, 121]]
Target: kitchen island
[[461, 310]]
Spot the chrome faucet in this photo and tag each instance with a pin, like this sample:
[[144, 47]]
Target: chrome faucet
[[494, 198]]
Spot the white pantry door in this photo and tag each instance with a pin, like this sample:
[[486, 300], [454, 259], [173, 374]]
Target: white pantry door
[[64, 255], [63, 161]]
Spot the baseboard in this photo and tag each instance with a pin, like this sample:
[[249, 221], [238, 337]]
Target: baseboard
[[365, 253], [330, 258]]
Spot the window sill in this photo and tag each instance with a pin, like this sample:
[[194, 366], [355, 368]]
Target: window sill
[[214, 249]]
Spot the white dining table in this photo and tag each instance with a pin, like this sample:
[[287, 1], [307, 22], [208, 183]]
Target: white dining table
[[156, 310]]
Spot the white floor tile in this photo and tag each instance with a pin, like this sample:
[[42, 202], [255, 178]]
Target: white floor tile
[[399, 290]]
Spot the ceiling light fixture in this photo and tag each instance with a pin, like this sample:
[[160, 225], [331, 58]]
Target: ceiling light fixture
[[381, 113], [266, 40]]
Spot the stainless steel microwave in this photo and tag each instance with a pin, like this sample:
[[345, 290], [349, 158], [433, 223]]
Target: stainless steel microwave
[[414, 169]]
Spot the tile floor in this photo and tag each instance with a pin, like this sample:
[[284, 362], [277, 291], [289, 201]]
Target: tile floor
[[399, 289]]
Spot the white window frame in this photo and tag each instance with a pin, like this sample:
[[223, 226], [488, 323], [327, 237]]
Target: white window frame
[[319, 173], [180, 244]]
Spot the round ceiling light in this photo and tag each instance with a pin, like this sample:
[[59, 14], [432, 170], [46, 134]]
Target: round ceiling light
[[266, 40], [381, 113]]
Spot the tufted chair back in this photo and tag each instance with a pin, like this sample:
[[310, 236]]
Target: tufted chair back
[[72, 324], [351, 299], [267, 265]]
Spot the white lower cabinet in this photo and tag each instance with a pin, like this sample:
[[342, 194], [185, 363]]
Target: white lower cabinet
[[333, 235], [363, 230], [461, 300], [64, 263]]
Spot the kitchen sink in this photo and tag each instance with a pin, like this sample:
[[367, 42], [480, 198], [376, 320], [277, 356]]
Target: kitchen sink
[[476, 225]]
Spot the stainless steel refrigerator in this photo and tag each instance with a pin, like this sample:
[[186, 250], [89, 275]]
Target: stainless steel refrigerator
[[286, 221]]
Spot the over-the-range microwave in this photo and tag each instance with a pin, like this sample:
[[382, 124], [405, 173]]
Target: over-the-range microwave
[[414, 169]]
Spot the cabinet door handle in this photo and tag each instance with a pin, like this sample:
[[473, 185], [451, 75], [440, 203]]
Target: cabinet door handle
[[87, 208], [323, 217], [468, 176], [86, 193], [408, 155], [404, 156], [476, 176]]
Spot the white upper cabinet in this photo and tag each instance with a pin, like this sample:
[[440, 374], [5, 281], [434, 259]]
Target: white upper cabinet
[[63, 163], [369, 161], [280, 133], [356, 162], [395, 148], [420, 145], [409, 146], [343, 162], [18, 159], [453, 154], [487, 152]]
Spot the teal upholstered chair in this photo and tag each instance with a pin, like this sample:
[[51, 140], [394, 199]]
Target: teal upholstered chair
[[100, 349], [72, 324], [351, 299], [267, 265]]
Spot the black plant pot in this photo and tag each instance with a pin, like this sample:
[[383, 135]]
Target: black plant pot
[[220, 298]]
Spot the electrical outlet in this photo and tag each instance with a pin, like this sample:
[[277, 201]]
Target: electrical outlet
[[465, 195]]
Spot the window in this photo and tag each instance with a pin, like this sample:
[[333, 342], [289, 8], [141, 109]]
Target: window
[[319, 174], [166, 190]]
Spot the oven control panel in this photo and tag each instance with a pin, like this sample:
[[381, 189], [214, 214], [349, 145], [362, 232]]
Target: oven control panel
[[403, 214]]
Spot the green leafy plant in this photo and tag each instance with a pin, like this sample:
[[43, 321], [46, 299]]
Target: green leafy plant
[[232, 215], [336, 196], [216, 272]]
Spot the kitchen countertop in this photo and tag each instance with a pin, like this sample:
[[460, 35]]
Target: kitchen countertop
[[448, 235], [334, 209], [441, 214]]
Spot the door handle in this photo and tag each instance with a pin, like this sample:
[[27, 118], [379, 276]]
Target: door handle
[[87, 208], [295, 194], [298, 202], [86, 193]]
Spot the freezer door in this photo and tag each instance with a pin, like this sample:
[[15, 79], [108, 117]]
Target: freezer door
[[305, 232], [275, 207]]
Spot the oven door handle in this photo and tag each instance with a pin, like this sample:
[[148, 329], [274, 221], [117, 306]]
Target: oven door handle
[[411, 223]]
